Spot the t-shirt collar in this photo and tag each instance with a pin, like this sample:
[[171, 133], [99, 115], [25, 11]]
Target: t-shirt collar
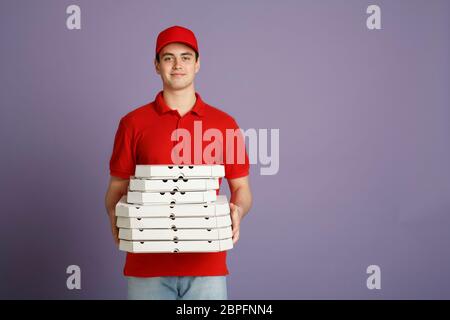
[[162, 107]]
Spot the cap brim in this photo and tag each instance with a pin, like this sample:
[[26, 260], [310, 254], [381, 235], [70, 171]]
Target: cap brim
[[177, 41]]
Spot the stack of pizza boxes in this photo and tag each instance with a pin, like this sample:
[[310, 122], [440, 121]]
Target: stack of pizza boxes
[[174, 208]]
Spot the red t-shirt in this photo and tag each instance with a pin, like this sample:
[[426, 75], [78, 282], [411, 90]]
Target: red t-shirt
[[144, 137]]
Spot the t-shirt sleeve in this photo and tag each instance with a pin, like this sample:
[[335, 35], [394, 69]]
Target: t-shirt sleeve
[[236, 158], [122, 163]]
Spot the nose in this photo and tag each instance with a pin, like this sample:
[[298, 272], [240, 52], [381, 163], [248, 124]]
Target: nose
[[176, 64]]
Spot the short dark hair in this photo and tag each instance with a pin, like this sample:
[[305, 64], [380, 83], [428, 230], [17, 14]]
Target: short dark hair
[[157, 56]]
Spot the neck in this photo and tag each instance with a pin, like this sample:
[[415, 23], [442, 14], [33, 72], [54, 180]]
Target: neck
[[180, 100]]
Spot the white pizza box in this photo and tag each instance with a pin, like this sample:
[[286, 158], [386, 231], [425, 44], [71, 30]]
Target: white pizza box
[[175, 234], [219, 207], [171, 197], [176, 246], [157, 185], [175, 223], [177, 171]]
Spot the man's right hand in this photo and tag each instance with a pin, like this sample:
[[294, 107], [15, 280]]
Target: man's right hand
[[117, 187], [115, 231]]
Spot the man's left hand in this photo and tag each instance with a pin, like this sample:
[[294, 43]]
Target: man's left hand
[[236, 216]]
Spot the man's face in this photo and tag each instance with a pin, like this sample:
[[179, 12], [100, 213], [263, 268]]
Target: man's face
[[177, 66]]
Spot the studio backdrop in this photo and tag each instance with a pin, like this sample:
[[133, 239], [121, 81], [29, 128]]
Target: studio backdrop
[[348, 112]]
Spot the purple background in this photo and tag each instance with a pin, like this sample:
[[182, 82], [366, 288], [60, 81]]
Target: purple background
[[364, 140]]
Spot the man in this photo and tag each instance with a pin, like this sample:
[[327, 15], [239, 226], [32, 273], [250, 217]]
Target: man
[[145, 136]]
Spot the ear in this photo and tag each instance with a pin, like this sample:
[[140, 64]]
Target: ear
[[157, 69], [197, 65]]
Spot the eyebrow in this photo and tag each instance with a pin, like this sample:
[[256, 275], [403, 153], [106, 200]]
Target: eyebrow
[[183, 54]]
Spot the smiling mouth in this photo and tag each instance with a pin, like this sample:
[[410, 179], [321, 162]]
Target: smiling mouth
[[177, 74]]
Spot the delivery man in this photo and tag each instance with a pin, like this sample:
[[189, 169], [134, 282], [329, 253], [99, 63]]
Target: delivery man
[[145, 136]]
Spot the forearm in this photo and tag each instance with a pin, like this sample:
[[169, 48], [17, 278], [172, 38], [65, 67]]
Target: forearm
[[115, 191], [111, 199], [242, 197]]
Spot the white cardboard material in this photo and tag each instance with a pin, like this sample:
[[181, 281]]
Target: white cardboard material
[[176, 246], [158, 185], [171, 197], [176, 171], [218, 208], [174, 234], [175, 223]]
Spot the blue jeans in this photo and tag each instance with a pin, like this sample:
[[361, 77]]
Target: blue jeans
[[177, 288]]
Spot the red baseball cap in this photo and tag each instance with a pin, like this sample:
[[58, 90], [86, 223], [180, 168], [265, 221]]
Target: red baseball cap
[[176, 34]]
